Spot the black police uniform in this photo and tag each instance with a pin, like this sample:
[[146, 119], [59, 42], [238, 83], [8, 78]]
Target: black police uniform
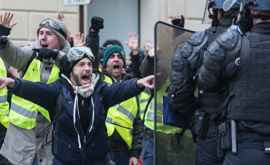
[[243, 63], [185, 65]]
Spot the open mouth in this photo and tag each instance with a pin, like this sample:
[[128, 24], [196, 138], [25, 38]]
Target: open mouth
[[86, 77], [44, 45], [117, 66]]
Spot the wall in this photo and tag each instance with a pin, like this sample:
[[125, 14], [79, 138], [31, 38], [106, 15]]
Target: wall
[[28, 14], [120, 18], [154, 10]]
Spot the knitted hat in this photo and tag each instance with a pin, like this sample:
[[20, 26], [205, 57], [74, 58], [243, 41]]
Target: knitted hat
[[55, 26], [74, 55], [113, 49]]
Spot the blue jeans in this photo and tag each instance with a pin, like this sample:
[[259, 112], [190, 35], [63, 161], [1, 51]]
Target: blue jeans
[[147, 151]]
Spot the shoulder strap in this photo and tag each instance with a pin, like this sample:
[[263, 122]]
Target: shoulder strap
[[147, 105], [138, 105]]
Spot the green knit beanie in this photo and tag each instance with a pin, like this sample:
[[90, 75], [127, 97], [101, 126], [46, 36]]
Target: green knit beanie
[[113, 49]]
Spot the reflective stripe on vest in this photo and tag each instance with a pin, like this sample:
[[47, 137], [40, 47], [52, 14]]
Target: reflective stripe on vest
[[150, 116], [3, 99], [110, 121], [120, 118], [124, 111], [4, 105], [23, 112]]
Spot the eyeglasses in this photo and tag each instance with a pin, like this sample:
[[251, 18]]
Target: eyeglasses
[[53, 24]]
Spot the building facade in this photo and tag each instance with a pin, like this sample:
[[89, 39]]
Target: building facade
[[29, 13], [121, 16]]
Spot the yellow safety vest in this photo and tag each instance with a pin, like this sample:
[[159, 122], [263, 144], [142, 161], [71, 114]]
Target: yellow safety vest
[[23, 113], [149, 115], [143, 98], [120, 117], [4, 105]]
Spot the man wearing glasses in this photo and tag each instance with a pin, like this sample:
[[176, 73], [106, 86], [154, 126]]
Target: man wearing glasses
[[27, 138]]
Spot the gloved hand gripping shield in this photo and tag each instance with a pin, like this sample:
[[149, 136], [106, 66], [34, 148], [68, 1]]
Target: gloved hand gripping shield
[[172, 145]]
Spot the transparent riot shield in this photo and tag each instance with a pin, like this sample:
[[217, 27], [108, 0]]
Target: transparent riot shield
[[172, 145]]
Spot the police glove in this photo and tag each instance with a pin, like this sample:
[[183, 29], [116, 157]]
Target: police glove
[[45, 53], [179, 21], [4, 31], [97, 23]]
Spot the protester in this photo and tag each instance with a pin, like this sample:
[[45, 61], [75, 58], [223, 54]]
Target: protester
[[77, 103], [29, 121], [92, 39], [162, 142], [4, 104], [136, 55], [123, 123], [108, 43], [4, 110]]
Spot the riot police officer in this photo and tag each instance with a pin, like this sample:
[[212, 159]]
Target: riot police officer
[[184, 100], [242, 62]]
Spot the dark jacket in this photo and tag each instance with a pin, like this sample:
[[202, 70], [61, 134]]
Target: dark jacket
[[116, 142], [92, 41], [66, 144], [248, 98], [134, 67]]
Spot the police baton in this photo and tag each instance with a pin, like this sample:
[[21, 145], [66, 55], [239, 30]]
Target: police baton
[[233, 136]]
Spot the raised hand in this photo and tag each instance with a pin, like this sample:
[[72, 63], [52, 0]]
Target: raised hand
[[6, 20], [178, 20], [149, 49], [133, 43], [60, 16], [6, 23], [97, 23], [78, 39]]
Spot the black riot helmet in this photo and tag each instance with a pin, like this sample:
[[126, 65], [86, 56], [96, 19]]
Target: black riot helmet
[[251, 9], [258, 5], [231, 4], [215, 4]]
